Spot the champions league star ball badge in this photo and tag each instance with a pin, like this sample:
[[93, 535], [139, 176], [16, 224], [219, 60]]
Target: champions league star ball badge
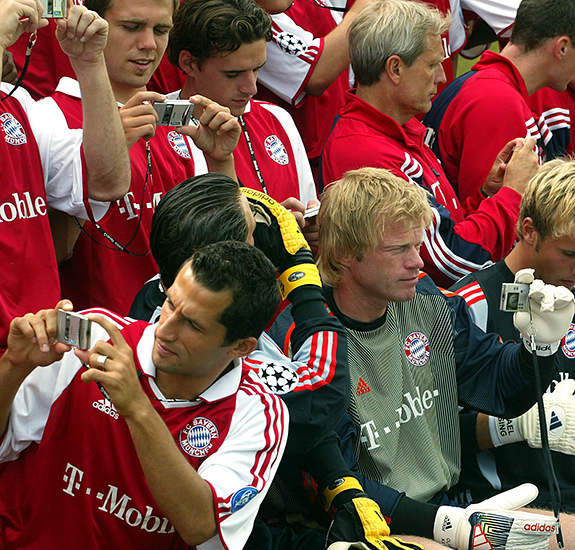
[[196, 438], [278, 378], [290, 44], [14, 134], [416, 347]]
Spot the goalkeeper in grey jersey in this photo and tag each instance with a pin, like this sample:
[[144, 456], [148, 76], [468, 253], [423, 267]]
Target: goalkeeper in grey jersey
[[415, 356]]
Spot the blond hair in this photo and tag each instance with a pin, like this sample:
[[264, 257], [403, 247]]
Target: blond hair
[[549, 200], [357, 210]]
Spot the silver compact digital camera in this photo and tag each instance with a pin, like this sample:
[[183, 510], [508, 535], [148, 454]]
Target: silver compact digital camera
[[514, 297], [74, 329], [174, 112], [54, 9]]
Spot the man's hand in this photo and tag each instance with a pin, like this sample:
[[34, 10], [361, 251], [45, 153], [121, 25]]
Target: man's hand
[[32, 338], [358, 519], [277, 233], [112, 365], [139, 117], [514, 166], [218, 131], [559, 404], [83, 35], [550, 315], [495, 523], [17, 17], [9, 72]]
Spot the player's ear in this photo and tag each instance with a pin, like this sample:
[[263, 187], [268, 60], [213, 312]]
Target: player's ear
[[243, 347], [529, 231], [187, 62]]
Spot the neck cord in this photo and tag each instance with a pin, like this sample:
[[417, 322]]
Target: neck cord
[[253, 155], [116, 244]]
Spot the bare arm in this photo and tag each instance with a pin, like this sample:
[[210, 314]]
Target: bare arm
[[334, 57], [482, 431], [182, 495], [31, 343], [83, 37]]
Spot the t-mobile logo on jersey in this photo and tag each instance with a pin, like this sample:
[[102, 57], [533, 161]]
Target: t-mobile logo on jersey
[[22, 208], [414, 406], [116, 506], [128, 205]]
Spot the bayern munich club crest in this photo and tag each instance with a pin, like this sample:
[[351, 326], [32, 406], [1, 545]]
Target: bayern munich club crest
[[276, 150], [416, 347], [196, 438], [179, 145], [14, 134], [568, 343]]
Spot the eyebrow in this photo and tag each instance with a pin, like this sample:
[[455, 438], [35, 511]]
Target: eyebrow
[[199, 326], [144, 22], [244, 70]]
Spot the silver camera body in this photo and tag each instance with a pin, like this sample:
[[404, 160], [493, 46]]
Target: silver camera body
[[174, 112], [514, 297], [74, 329], [54, 9]]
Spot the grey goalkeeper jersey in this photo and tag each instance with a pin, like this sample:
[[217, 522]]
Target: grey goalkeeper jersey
[[404, 397]]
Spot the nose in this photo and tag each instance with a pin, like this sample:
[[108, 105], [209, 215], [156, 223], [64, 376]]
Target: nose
[[414, 260], [249, 83], [147, 40], [166, 325], [440, 75]]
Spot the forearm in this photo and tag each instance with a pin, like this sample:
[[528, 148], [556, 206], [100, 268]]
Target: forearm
[[105, 149], [182, 495], [11, 379], [334, 57], [228, 167]]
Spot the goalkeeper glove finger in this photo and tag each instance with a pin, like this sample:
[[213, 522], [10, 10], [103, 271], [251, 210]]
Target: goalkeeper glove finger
[[560, 415], [550, 315], [495, 524], [279, 236], [358, 519]]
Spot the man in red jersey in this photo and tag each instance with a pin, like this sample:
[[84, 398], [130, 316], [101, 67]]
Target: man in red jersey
[[44, 163], [160, 157], [168, 440]]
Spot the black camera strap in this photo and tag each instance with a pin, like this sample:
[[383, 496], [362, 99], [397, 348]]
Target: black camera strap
[[32, 41], [554, 488]]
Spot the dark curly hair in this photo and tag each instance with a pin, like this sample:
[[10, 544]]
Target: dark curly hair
[[206, 28]]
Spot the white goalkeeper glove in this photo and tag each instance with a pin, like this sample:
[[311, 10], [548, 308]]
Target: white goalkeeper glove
[[552, 309], [560, 414], [495, 523]]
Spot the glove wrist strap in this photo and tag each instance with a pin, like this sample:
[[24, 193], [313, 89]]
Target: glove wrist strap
[[296, 276], [337, 487], [543, 350], [504, 431]]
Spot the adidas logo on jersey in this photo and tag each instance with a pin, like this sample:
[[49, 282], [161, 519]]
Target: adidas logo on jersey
[[106, 407], [362, 387]]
